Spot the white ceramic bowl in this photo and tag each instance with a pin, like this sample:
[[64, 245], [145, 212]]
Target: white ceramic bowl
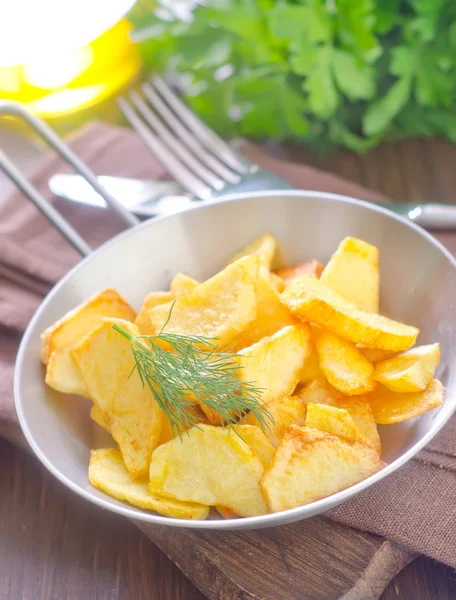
[[418, 286]]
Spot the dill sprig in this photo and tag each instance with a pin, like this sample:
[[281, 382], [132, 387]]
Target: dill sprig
[[182, 369]]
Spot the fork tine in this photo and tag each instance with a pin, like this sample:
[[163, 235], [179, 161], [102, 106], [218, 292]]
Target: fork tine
[[167, 158], [181, 131], [174, 144], [201, 131]]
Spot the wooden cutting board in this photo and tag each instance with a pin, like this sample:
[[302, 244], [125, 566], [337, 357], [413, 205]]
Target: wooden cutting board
[[315, 559]]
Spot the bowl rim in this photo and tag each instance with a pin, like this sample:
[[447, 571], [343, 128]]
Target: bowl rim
[[273, 519]]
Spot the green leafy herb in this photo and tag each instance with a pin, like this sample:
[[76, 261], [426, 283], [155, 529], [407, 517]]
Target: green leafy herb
[[324, 72], [180, 370]]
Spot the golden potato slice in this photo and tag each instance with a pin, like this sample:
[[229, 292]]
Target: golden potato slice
[[311, 368], [374, 355], [94, 356], [343, 365], [310, 465], [319, 391], [271, 316], [312, 301], [391, 407], [286, 411], [311, 267], [167, 433], [264, 246], [360, 410], [277, 282], [182, 284], [221, 307], [274, 363], [100, 418], [150, 301], [72, 327], [63, 374], [108, 474], [213, 416], [256, 440], [106, 361], [410, 371], [337, 421], [211, 466], [353, 273], [226, 513]]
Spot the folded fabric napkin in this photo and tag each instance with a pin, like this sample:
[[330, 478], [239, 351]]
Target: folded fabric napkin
[[415, 506]]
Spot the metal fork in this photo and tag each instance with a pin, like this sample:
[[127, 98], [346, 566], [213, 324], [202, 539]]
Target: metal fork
[[206, 167], [197, 158]]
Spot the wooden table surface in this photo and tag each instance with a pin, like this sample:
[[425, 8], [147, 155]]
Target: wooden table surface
[[55, 546]]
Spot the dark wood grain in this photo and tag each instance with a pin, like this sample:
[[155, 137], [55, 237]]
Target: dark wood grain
[[54, 546], [335, 561]]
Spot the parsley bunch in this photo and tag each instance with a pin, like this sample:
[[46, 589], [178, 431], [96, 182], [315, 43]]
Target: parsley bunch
[[327, 73]]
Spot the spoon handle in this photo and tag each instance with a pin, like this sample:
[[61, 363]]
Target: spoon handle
[[428, 215]]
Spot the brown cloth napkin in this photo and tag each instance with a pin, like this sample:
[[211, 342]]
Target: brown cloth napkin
[[415, 506]]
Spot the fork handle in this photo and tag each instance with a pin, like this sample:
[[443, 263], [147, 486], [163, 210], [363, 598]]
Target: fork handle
[[259, 180]]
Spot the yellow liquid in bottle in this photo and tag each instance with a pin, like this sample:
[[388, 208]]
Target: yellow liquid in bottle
[[68, 82]]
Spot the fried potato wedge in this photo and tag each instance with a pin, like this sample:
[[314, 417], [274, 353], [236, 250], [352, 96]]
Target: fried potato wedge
[[222, 307], [274, 363], [312, 301], [264, 246], [94, 356], [100, 418], [271, 315], [211, 466], [150, 301], [257, 441], [73, 326], [168, 434], [277, 282], [410, 371], [311, 267], [343, 365], [374, 355], [353, 273], [213, 416], [226, 513], [361, 412], [106, 362], [182, 284], [319, 391], [311, 368], [337, 421], [392, 407], [310, 464], [63, 375], [286, 411], [108, 474]]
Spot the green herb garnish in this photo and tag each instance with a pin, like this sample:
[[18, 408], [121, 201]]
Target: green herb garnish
[[327, 73], [179, 369]]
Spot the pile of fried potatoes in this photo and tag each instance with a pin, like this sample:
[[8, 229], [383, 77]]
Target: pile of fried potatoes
[[329, 366]]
